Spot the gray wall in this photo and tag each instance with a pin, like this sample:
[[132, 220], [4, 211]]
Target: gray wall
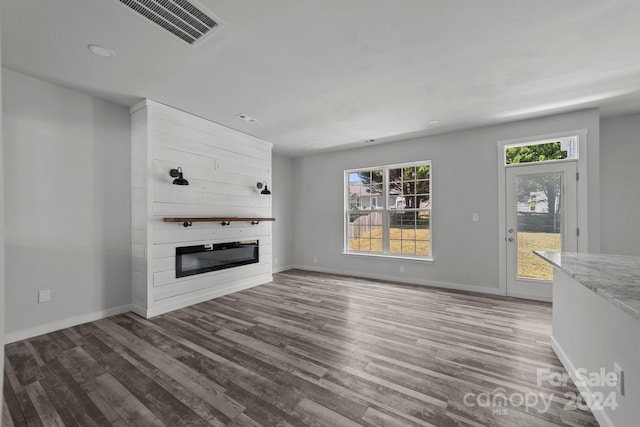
[[2, 304], [68, 191], [620, 178], [465, 180], [283, 212]]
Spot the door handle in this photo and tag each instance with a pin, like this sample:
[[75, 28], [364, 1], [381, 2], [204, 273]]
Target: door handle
[[510, 239], [511, 230]]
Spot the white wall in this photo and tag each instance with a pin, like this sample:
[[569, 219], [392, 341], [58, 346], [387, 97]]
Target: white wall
[[67, 193], [283, 211], [620, 177], [223, 167], [464, 181]]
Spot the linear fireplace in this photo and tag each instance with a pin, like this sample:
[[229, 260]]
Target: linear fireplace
[[200, 259]]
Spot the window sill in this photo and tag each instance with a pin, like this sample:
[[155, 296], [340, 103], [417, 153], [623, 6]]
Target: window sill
[[400, 257]]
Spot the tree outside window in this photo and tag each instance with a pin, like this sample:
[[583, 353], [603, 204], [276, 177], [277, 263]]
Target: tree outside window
[[389, 210]]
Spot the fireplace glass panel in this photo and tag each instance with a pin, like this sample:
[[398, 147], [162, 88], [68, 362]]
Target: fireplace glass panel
[[200, 259]]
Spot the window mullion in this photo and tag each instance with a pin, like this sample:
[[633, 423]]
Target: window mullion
[[372, 230], [386, 220]]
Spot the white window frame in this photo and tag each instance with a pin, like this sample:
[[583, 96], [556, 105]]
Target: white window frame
[[386, 220], [529, 143]]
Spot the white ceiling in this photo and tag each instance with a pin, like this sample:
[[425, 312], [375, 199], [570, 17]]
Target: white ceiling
[[327, 74]]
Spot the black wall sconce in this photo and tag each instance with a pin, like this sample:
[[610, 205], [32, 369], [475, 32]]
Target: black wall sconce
[[179, 179], [265, 190]]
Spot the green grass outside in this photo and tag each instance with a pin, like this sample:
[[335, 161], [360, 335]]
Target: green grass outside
[[529, 264], [403, 241]]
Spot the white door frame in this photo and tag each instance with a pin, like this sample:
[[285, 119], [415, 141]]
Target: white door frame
[[582, 196]]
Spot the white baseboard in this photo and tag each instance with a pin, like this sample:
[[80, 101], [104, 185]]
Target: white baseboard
[[532, 297], [412, 281], [169, 306], [281, 269], [138, 310], [174, 305], [63, 324], [600, 415]]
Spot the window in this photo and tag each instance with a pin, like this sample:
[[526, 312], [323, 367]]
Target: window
[[388, 210], [542, 151]]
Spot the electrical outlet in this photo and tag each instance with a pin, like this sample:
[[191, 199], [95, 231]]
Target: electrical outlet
[[315, 259], [620, 376], [44, 295], [275, 261], [475, 217], [402, 269]]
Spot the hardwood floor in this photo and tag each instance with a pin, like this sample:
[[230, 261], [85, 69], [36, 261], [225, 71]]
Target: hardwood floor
[[306, 349]]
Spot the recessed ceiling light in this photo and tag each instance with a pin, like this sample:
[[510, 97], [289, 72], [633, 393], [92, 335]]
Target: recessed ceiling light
[[367, 141], [96, 49], [246, 118], [434, 122]]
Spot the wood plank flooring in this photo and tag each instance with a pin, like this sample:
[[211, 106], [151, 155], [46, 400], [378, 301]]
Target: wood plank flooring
[[307, 349]]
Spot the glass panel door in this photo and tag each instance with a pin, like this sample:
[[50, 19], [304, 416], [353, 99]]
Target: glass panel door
[[541, 215], [539, 223]]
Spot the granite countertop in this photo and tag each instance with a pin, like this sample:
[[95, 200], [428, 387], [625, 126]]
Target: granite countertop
[[614, 277]]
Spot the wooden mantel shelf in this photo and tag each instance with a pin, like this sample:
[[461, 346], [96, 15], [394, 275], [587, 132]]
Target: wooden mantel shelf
[[187, 222]]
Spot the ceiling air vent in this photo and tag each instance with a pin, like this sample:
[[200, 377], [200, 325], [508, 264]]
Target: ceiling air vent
[[180, 17]]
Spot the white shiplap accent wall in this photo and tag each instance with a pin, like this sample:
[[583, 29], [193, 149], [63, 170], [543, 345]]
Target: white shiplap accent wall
[[222, 166]]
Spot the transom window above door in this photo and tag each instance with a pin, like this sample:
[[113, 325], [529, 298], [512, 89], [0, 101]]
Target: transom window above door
[[542, 151], [388, 210]]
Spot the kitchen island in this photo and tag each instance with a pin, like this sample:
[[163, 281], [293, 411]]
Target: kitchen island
[[596, 330]]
